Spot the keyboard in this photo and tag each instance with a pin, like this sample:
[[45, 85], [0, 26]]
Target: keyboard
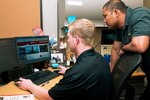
[[40, 77]]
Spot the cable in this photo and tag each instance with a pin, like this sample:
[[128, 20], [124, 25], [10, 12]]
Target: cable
[[97, 44]]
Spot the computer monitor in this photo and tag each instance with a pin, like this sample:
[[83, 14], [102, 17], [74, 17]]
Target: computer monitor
[[8, 57], [32, 49], [108, 36]]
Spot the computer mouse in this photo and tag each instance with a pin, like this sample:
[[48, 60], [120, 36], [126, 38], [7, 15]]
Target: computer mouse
[[16, 84], [16, 80]]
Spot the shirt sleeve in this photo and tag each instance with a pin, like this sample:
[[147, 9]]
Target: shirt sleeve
[[140, 23]]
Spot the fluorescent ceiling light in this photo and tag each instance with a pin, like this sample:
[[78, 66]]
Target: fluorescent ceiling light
[[75, 3]]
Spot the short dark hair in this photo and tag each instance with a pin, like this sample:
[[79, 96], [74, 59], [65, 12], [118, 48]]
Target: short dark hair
[[115, 4]]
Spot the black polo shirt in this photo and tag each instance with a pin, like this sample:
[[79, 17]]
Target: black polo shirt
[[137, 23], [88, 79]]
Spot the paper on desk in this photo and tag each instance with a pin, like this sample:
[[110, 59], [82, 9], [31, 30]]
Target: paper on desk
[[18, 97]]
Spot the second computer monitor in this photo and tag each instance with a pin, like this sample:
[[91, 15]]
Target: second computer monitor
[[8, 57]]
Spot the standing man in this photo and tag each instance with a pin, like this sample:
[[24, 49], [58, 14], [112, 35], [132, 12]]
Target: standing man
[[133, 34], [88, 79]]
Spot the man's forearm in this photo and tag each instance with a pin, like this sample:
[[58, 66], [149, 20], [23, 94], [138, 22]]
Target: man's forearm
[[130, 47], [138, 44], [113, 60], [40, 93]]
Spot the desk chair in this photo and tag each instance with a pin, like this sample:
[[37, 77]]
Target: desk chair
[[122, 71]]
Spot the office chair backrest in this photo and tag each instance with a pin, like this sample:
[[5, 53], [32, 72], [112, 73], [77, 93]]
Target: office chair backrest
[[122, 71]]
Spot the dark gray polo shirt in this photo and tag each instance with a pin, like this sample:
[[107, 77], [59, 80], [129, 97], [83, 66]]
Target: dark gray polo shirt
[[137, 23], [88, 79]]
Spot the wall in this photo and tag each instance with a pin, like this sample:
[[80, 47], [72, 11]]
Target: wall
[[18, 17], [61, 15], [50, 18], [147, 3]]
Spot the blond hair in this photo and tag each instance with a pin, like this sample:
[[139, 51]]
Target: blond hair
[[84, 28]]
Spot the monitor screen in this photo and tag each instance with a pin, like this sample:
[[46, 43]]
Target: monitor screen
[[32, 49], [8, 57], [108, 37]]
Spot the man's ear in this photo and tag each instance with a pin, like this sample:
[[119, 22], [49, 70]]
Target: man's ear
[[116, 12], [77, 39]]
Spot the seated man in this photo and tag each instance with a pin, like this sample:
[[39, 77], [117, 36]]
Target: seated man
[[88, 79]]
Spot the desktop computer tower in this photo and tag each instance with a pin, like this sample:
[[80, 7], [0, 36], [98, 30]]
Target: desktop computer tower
[[16, 72], [10, 75]]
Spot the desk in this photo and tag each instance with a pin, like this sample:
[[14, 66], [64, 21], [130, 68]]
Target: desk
[[135, 86], [138, 73], [11, 89]]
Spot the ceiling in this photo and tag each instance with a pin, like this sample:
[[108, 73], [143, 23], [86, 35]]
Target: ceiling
[[92, 9]]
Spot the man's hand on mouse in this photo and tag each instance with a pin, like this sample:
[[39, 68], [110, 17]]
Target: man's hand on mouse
[[62, 69], [24, 84]]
